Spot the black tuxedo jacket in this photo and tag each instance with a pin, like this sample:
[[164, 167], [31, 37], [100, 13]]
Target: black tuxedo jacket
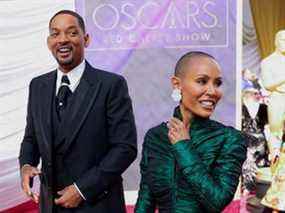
[[99, 138]]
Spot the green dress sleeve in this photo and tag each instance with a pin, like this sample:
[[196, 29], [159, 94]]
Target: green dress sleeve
[[145, 202], [214, 187]]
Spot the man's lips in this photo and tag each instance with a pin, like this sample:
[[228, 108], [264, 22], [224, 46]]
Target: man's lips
[[64, 51]]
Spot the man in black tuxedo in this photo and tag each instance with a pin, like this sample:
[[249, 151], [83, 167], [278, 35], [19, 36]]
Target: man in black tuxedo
[[80, 124]]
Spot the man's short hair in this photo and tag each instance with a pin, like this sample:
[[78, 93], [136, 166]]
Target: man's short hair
[[72, 13], [187, 57]]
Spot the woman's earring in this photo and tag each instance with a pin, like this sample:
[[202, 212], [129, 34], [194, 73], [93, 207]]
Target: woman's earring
[[176, 95]]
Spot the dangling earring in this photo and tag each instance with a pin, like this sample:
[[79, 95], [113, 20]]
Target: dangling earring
[[176, 95]]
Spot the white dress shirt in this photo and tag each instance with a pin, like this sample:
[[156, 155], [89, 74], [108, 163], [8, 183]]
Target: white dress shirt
[[74, 77]]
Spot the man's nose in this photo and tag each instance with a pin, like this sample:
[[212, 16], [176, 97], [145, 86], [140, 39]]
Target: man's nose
[[62, 38]]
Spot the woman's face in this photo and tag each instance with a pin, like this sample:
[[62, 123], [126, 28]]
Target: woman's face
[[201, 86]]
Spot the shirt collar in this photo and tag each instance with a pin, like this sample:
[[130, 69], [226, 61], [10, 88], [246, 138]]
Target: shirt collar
[[73, 75]]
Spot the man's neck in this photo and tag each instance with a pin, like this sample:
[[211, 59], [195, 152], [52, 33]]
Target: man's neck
[[65, 69]]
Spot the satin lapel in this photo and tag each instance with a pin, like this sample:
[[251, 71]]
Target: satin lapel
[[45, 97], [85, 96]]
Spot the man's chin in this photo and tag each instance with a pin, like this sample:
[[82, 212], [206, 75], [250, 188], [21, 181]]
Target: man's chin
[[64, 62]]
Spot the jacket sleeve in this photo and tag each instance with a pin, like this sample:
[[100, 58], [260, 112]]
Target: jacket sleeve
[[122, 139], [29, 152], [145, 201], [214, 188]]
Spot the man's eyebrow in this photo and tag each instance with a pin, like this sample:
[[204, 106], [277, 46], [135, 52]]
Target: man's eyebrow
[[70, 27]]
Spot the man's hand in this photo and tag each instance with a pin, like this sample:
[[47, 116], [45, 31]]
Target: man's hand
[[69, 197], [28, 172]]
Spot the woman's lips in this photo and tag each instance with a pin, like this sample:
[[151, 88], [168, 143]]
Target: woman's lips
[[208, 104]]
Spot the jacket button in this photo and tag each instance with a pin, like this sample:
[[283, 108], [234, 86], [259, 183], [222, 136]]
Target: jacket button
[[49, 164], [105, 192]]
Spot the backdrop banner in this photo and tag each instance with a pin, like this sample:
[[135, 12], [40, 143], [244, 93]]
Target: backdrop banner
[[23, 56], [142, 40]]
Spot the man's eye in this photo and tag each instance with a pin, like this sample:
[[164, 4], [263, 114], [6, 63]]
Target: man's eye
[[202, 81], [73, 33], [54, 34]]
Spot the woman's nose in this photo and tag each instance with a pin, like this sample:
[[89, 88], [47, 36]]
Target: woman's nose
[[211, 89]]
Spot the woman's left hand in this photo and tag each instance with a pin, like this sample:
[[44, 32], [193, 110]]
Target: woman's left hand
[[177, 131]]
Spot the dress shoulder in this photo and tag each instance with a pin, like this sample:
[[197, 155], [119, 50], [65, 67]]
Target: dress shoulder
[[157, 136], [229, 132], [236, 136]]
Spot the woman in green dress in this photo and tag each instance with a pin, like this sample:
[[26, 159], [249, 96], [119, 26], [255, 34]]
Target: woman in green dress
[[191, 163]]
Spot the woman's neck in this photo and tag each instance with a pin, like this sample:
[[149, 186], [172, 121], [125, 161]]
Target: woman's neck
[[186, 115]]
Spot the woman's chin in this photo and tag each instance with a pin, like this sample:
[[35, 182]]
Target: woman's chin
[[205, 113]]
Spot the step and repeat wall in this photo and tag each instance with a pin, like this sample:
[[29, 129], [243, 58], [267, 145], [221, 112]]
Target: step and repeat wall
[[141, 40]]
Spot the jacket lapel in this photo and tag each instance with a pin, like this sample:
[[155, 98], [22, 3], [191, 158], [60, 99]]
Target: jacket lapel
[[45, 95], [81, 104]]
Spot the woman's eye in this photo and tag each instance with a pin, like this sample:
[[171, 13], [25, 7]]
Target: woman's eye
[[219, 83]]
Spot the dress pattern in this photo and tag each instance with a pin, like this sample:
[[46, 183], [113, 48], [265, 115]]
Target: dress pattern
[[257, 149], [196, 175], [275, 196]]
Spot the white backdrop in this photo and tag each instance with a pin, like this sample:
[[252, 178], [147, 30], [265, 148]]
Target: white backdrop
[[23, 55]]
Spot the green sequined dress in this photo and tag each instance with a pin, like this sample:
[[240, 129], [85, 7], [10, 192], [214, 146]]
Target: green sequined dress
[[196, 175]]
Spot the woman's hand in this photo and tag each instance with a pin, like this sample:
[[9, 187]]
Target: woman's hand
[[177, 131]]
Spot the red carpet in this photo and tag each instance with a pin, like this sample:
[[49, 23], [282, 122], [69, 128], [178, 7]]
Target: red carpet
[[31, 207]]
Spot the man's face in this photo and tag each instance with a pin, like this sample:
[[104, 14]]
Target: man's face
[[280, 42], [251, 95], [248, 75], [67, 41]]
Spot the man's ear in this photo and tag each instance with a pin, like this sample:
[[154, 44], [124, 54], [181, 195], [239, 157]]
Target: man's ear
[[48, 43], [176, 82], [86, 40]]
